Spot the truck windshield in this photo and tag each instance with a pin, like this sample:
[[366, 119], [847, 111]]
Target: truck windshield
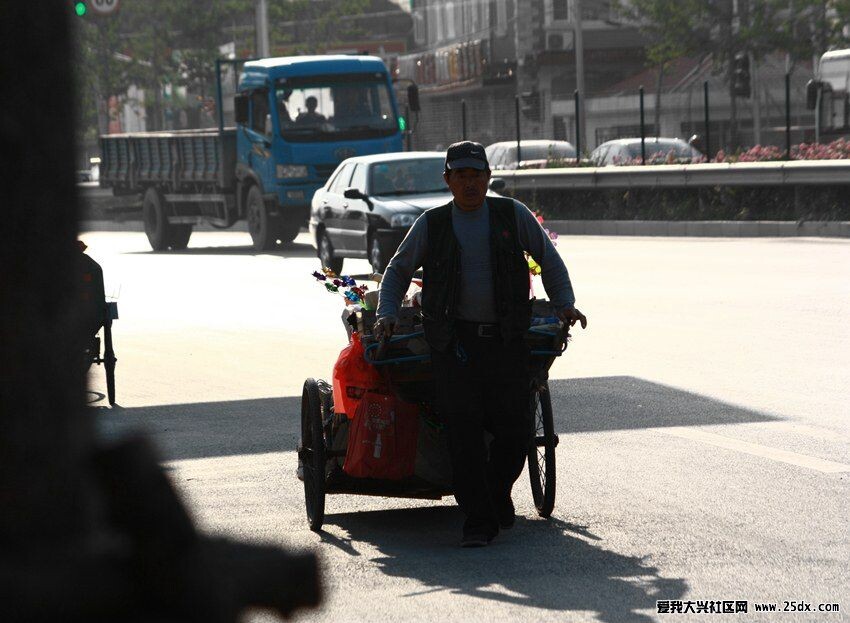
[[836, 71], [333, 108]]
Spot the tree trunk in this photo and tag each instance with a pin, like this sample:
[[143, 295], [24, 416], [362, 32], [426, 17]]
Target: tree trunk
[[102, 95], [733, 113], [157, 106]]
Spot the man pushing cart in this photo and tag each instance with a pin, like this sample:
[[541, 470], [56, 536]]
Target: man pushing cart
[[488, 347]]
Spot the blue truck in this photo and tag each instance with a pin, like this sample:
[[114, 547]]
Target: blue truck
[[296, 119]]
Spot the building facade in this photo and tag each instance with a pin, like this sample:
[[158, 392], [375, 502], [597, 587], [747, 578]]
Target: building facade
[[488, 53], [500, 55]]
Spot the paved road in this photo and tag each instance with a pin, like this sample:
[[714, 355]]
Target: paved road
[[705, 441]]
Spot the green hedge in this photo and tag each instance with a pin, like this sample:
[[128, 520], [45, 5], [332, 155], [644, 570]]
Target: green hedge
[[772, 203]]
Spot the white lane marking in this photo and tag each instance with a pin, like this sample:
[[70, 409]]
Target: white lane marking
[[823, 434], [775, 454]]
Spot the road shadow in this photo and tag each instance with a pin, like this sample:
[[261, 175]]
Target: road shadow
[[547, 564], [626, 402], [208, 429]]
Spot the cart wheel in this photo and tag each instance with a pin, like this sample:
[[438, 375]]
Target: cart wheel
[[541, 456], [312, 454], [109, 361]]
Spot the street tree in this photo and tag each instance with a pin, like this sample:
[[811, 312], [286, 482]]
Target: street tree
[[101, 70], [308, 26], [723, 29], [674, 28]]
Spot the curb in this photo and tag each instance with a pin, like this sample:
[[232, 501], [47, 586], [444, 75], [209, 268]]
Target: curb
[[715, 229], [138, 226], [718, 229]]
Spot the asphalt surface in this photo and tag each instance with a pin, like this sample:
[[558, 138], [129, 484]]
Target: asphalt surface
[[703, 417]]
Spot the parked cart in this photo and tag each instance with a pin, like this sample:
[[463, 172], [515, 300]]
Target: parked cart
[[405, 366], [98, 314]]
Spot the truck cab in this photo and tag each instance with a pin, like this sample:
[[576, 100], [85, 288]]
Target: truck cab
[[297, 118], [828, 94]]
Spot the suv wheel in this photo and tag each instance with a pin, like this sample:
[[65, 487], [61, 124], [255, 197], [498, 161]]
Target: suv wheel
[[326, 254]]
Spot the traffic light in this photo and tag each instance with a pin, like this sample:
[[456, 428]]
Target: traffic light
[[812, 87], [741, 75], [80, 8], [531, 104]]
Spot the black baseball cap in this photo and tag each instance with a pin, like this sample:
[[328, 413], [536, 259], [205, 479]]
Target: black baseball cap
[[466, 155]]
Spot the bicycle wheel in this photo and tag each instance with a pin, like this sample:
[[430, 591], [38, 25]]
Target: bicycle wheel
[[541, 454], [109, 361], [312, 454]]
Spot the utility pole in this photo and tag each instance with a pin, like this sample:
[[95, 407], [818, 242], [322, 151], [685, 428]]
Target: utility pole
[[261, 10], [754, 98], [579, 49], [745, 16]]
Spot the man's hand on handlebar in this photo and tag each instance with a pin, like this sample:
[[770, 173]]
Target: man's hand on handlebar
[[385, 327], [571, 315]]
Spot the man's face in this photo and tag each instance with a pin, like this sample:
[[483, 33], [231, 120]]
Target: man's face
[[468, 186]]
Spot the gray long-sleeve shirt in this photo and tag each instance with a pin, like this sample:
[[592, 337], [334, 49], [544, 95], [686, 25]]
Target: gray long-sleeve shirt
[[476, 295]]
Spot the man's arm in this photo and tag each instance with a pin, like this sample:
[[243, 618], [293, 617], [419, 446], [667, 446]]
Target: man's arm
[[556, 278], [399, 272], [534, 239]]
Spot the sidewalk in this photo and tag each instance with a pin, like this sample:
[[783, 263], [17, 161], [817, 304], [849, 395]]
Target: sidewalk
[[133, 226], [717, 229]]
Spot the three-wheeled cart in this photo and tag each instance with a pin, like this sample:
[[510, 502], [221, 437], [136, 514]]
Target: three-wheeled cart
[[99, 314], [406, 362]]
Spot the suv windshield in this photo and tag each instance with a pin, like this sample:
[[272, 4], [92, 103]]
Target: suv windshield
[[552, 151], [408, 177], [335, 107]]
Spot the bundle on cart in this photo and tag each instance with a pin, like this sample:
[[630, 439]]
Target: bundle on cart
[[405, 359], [547, 337]]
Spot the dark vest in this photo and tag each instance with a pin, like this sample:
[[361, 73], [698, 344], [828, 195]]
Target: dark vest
[[442, 270]]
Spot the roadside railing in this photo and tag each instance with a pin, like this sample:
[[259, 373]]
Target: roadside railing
[[783, 173]]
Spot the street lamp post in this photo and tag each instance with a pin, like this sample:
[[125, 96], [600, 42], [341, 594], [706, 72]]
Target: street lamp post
[[579, 50], [261, 10]]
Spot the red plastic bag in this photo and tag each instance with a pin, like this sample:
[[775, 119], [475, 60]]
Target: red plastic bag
[[352, 377], [382, 439]]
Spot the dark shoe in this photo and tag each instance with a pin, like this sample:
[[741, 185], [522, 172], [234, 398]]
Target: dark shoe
[[506, 514], [475, 540]]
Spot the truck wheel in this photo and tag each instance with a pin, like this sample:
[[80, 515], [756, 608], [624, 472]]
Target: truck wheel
[[326, 254], [179, 237], [261, 225], [157, 228]]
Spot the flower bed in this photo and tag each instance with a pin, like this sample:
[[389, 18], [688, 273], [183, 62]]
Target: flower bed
[[813, 203], [721, 203]]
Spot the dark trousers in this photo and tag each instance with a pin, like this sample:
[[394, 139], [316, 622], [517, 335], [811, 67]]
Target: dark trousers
[[483, 385]]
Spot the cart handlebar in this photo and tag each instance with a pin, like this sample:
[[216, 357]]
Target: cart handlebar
[[379, 348]]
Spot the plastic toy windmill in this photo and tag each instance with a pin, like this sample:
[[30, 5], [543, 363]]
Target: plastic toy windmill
[[533, 267], [343, 285]]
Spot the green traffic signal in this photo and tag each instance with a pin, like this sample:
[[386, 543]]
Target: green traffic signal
[[402, 124], [80, 8]]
